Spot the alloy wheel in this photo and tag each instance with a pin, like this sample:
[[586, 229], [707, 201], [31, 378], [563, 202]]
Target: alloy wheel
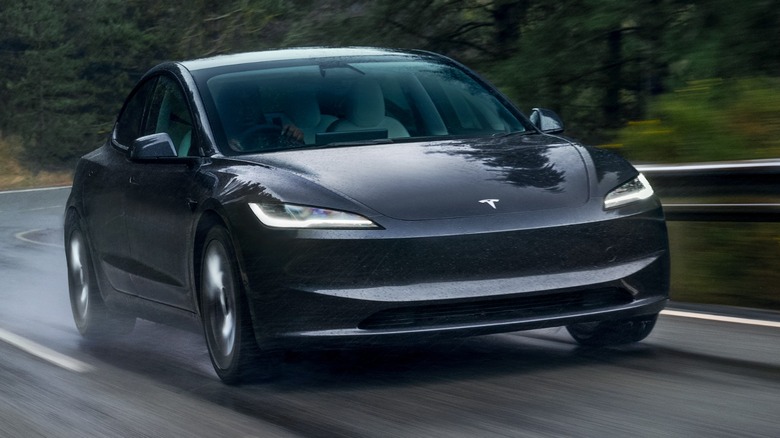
[[220, 303]]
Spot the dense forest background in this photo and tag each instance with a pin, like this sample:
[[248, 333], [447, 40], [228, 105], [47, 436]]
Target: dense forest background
[[656, 80]]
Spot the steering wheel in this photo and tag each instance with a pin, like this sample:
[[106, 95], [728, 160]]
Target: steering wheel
[[260, 137], [266, 136]]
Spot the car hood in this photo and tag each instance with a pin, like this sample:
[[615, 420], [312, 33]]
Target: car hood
[[446, 179]]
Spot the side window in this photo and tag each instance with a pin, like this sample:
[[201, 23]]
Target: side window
[[130, 124], [169, 113]]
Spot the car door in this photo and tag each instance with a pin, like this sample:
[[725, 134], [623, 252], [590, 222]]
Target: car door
[[160, 203], [107, 181]]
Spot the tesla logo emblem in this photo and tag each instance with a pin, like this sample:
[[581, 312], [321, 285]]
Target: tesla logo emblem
[[490, 202]]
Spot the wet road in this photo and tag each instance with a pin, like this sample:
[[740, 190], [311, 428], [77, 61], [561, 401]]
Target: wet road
[[691, 377]]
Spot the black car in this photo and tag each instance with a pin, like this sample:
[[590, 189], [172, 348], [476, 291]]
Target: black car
[[322, 197]]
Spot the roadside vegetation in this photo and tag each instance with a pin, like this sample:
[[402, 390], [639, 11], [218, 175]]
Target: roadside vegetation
[[726, 263], [708, 120], [14, 175], [655, 80]]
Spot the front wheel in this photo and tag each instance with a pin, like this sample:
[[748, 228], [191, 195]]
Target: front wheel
[[90, 314], [226, 321], [605, 333]]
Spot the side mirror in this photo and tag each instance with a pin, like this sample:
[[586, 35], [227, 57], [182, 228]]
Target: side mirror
[[154, 146], [546, 121]]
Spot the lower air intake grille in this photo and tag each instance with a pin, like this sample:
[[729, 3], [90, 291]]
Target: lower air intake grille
[[495, 310]]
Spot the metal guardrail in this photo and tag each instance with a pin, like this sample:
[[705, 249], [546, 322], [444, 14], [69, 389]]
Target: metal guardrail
[[738, 191]]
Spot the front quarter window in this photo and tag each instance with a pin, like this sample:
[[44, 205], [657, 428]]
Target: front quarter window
[[169, 113], [129, 125]]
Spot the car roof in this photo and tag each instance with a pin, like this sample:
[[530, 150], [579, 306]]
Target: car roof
[[291, 54]]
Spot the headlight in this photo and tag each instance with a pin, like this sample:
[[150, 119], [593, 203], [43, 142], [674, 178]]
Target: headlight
[[632, 191], [298, 216]]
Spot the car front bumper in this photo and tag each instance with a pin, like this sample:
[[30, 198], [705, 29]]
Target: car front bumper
[[319, 288]]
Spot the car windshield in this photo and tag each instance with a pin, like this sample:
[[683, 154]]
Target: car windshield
[[350, 102]]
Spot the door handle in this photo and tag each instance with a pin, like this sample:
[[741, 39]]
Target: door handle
[[133, 180]]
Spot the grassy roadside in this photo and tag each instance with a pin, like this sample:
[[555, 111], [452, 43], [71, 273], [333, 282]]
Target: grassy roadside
[[13, 175], [727, 263]]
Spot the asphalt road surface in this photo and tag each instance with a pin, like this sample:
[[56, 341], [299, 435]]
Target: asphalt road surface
[[691, 377]]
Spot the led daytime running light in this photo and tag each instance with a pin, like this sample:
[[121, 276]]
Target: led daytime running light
[[297, 216], [635, 190]]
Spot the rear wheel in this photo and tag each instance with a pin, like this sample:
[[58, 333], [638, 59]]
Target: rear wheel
[[226, 321], [604, 333], [90, 314]]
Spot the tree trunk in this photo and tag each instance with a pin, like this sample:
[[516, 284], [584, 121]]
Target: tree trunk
[[614, 83], [508, 15]]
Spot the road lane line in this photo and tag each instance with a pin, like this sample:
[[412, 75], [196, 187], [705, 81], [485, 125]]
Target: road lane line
[[719, 318], [44, 353], [41, 189], [23, 237], [32, 209], [39, 208]]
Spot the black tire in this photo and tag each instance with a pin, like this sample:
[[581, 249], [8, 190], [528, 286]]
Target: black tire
[[227, 323], [92, 318], [606, 333]]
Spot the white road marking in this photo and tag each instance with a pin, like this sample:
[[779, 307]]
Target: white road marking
[[23, 237], [731, 319], [33, 190], [39, 208], [32, 209], [44, 353]]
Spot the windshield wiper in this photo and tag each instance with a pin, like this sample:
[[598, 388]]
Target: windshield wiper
[[511, 134], [356, 143]]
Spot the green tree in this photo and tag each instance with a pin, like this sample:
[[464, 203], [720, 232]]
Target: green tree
[[65, 65], [45, 85]]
